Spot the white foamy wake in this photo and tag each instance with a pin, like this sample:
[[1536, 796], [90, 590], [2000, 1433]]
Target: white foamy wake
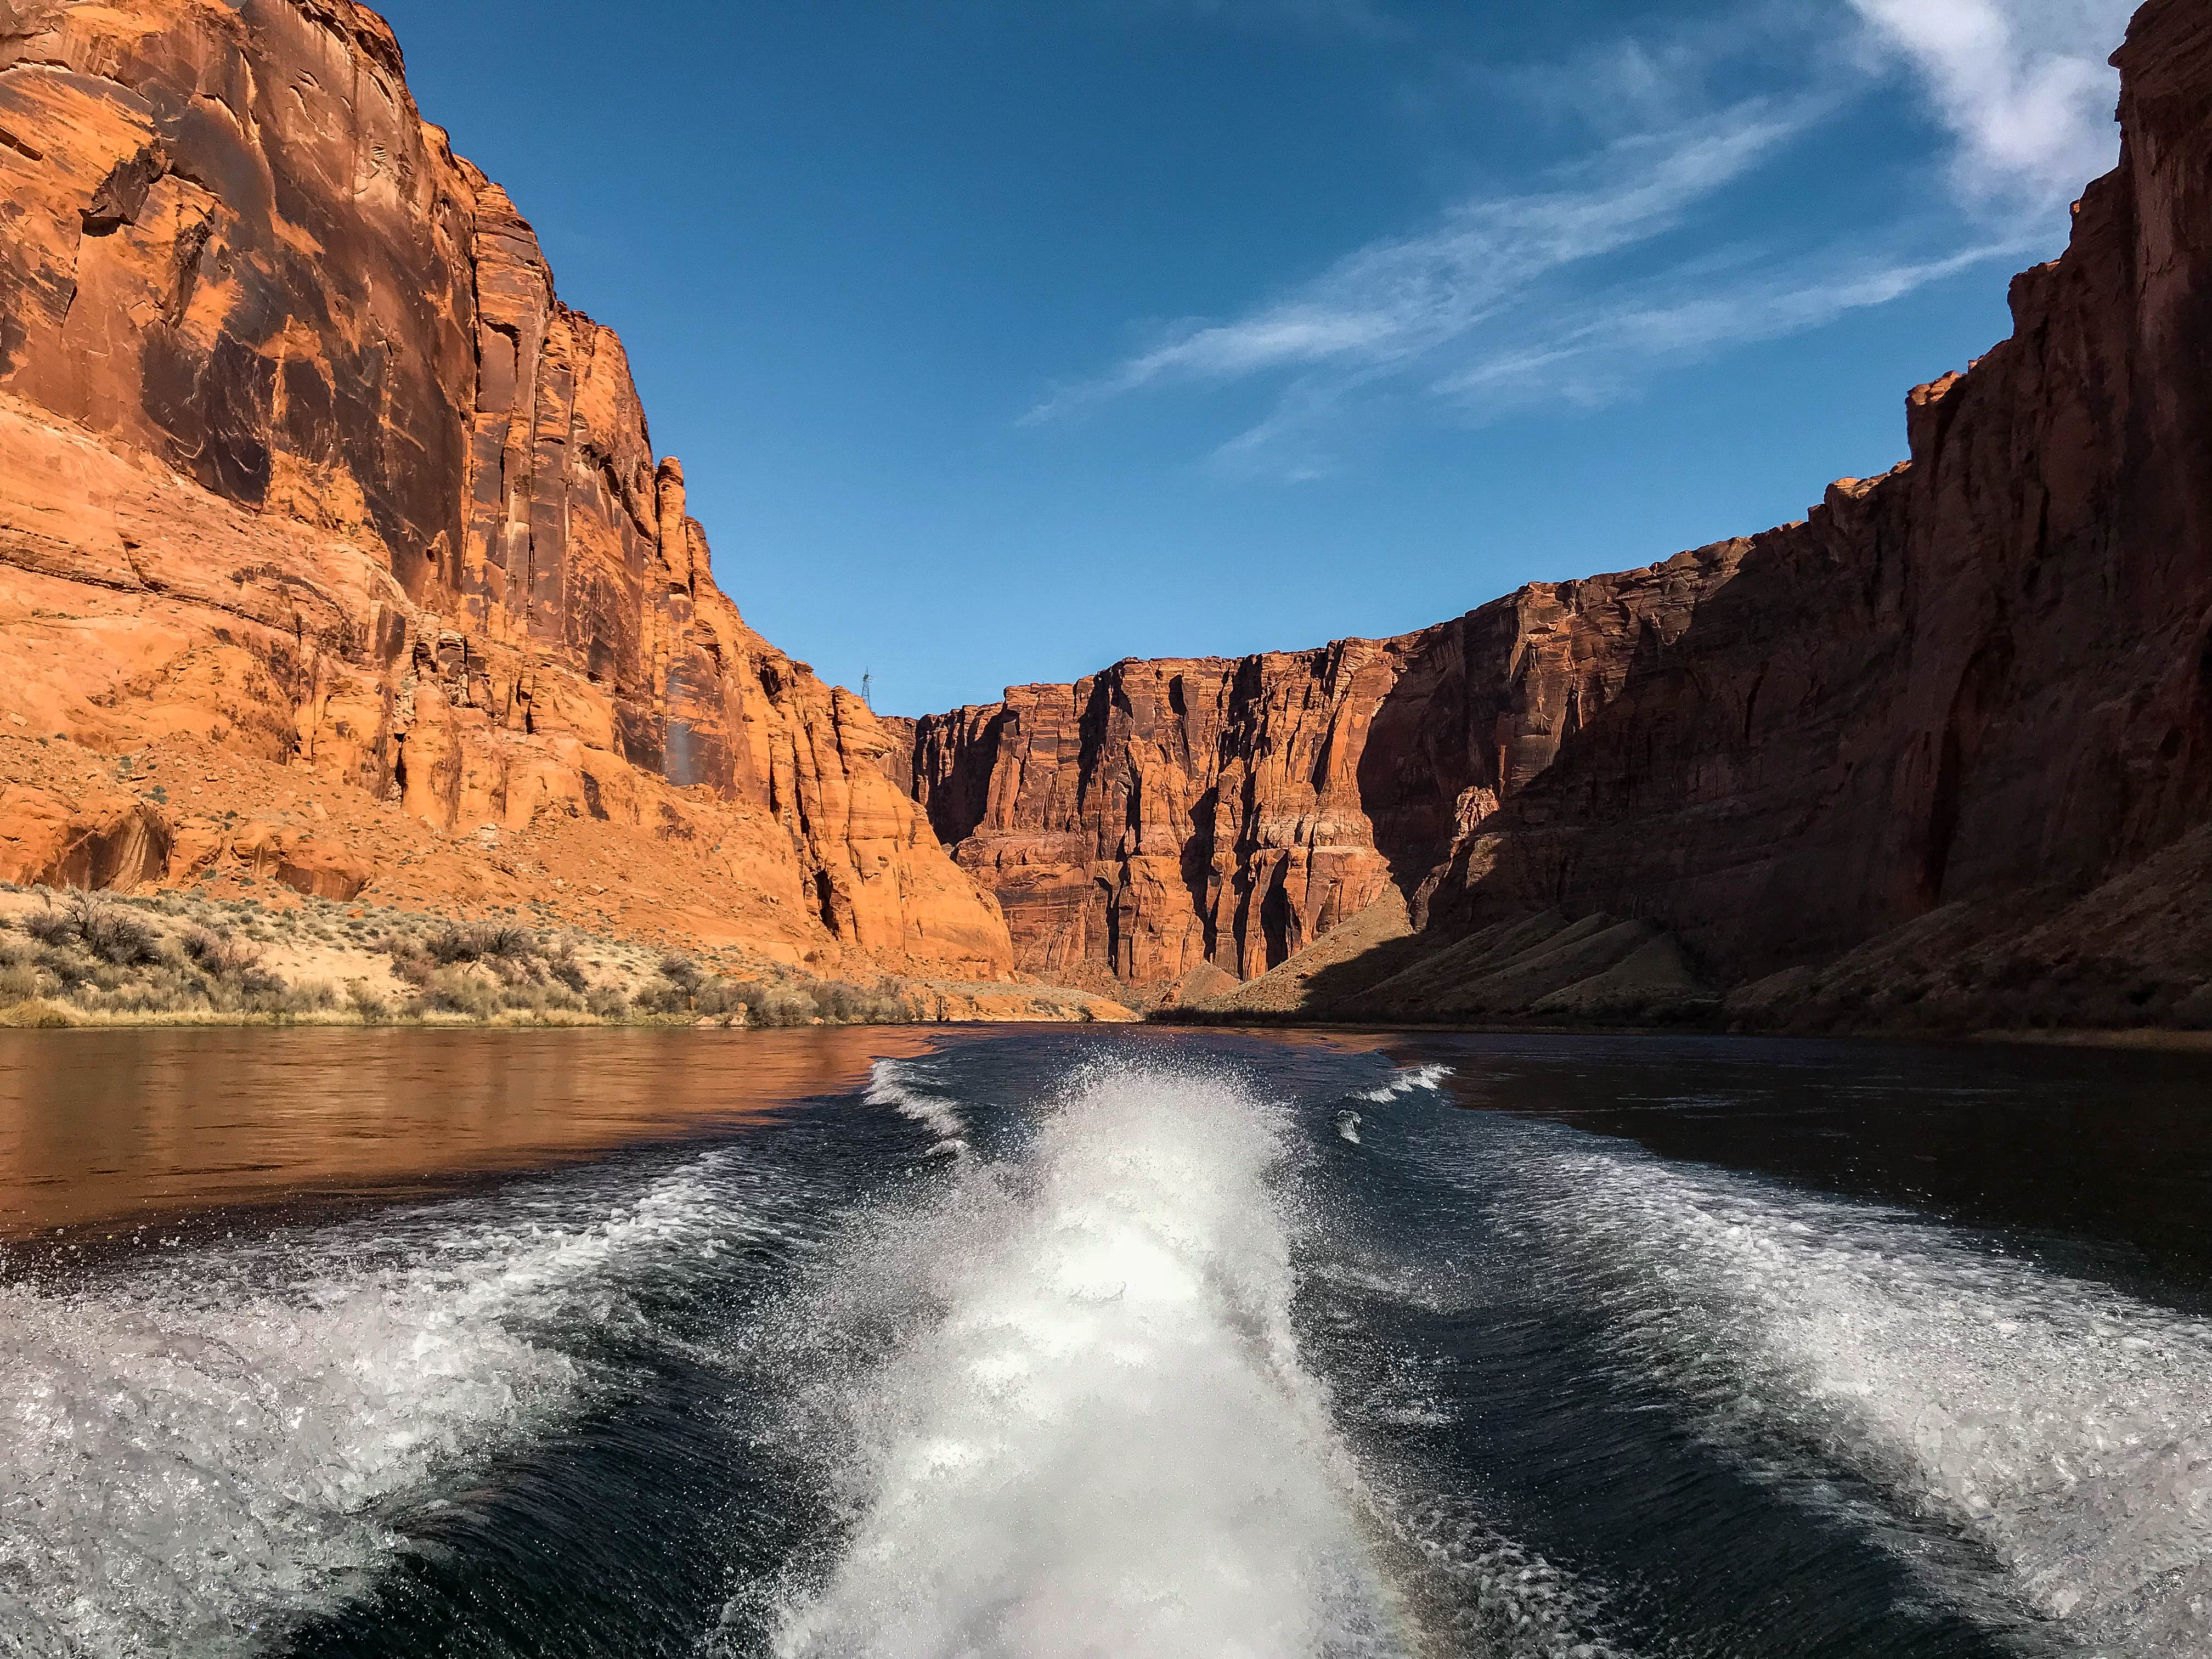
[[1092, 1433], [1405, 1080], [901, 1084], [2065, 1427], [193, 1452]]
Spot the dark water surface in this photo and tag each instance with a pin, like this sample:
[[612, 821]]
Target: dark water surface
[[125, 1126], [1116, 1342]]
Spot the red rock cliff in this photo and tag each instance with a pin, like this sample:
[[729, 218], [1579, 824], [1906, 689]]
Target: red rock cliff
[[301, 454], [1163, 815], [1988, 673], [1958, 723]]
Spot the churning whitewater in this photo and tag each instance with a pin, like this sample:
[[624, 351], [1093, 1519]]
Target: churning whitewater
[[2062, 1428], [201, 1449], [1098, 1436], [1066, 1344]]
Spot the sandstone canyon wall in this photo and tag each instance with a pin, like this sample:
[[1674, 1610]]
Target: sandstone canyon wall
[[302, 458], [1163, 817], [1946, 746]]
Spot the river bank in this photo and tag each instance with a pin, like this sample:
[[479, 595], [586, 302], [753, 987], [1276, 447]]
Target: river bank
[[184, 957]]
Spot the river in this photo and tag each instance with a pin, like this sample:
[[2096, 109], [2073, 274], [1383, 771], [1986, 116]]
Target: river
[[1017, 1341]]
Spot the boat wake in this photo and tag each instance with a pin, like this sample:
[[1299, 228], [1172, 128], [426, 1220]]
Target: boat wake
[[199, 1450], [1149, 1361], [1405, 1081], [2065, 1429], [1082, 1424], [902, 1084]]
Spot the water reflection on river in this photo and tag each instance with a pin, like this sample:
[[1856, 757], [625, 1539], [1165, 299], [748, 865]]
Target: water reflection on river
[[133, 1125]]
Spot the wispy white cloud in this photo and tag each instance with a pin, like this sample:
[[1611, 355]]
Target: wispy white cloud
[[1507, 299], [2023, 85], [1396, 301], [1593, 355]]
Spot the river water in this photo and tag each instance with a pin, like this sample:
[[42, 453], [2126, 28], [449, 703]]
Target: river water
[[1068, 1342]]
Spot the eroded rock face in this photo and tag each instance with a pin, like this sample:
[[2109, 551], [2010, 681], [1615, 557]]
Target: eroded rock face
[[1988, 671], [1984, 677], [1163, 815], [293, 424]]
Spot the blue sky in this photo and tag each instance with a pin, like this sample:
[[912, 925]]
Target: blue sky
[[1005, 338]]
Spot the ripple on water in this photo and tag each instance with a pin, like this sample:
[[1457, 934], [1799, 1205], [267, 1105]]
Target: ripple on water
[[912, 1089], [2063, 1427], [1405, 1080], [199, 1448]]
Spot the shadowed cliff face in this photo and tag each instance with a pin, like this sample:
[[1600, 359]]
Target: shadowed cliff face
[[1982, 674], [295, 434], [1963, 708], [1163, 816]]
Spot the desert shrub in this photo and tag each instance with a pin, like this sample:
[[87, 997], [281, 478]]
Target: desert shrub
[[840, 1000], [607, 1002], [660, 996], [35, 1016], [411, 963], [312, 997], [224, 955], [365, 1001], [567, 969], [164, 990], [475, 941], [783, 1004], [114, 934], [19, 982], [69, 965], [49, 925], [681, 970], [723, 997], [455, 990], [449, 945], [536, 997]]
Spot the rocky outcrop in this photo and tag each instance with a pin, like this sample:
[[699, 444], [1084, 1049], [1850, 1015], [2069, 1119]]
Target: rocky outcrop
[[109, 841], [1899, 763], [1985, 675], [1163, 815], [303, 457]]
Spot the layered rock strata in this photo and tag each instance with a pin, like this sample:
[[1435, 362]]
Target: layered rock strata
[[301, 457], [1163, 815], [1909, 754], [1980, 683]]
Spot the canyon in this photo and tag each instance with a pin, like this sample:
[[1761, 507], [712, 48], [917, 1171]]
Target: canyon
[[1939, 754], [317, 502]]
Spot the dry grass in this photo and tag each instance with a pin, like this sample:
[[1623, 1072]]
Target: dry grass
[[181, 957]]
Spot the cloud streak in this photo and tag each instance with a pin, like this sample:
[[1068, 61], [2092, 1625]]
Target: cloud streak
[[2021, 85], [1513, 299], [1587, 361], [1395, 301]]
